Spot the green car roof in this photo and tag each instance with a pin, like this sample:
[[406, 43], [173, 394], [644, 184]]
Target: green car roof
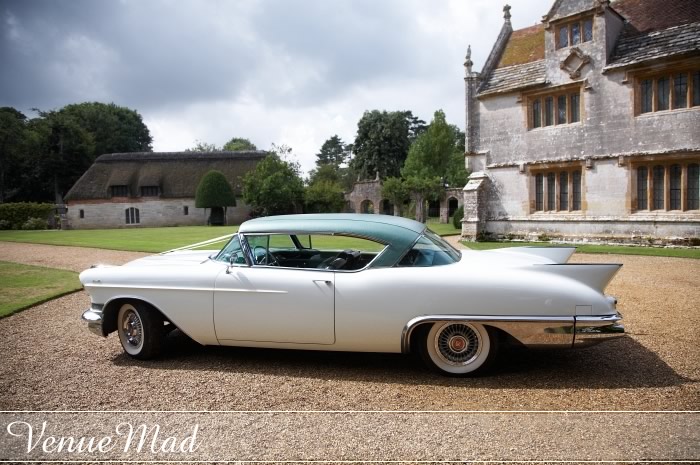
[[396, 232]]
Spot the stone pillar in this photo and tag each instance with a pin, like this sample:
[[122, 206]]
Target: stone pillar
[[474, 222], [472, 80], [444, 211]]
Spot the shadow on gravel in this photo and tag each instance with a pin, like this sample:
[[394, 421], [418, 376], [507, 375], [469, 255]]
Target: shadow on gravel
[[623, 363]]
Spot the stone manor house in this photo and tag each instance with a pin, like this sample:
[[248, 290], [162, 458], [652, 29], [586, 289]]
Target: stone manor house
[[154, 189], [588, 124]]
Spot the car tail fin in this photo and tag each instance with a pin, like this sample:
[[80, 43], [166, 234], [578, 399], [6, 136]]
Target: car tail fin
[[555, 254], [594, 275]]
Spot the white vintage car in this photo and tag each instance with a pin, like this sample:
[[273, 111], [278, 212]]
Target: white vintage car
[[351, 282]]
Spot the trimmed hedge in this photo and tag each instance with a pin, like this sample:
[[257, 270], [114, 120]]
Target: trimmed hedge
[[16, 215], [214, 191]]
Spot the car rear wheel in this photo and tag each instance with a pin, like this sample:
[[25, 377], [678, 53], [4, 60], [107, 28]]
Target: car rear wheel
[[140, 328], [456, 348]]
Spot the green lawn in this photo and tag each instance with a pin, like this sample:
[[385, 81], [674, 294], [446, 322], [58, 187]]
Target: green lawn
[[24, 285], [147, 239], [136, 239], [594, 248], [443, 229], [160, 239]]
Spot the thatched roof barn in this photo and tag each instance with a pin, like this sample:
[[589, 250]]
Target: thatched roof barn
[[155, 189], [175, 174]]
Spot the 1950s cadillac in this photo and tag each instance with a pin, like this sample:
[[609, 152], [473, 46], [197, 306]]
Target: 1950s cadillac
[[352, 282]]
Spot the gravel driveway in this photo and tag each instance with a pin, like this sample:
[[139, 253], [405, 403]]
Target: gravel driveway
[[50, 361]]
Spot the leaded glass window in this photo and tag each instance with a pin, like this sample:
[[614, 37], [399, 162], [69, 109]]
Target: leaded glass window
[[662, 94], [647, 94], [693, 186], [658, 187], [576, 194], [563, 190], [680, 90], [642, 194], [675, 187]]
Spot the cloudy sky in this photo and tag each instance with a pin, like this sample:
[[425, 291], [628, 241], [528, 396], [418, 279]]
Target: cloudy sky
[[289, 72]]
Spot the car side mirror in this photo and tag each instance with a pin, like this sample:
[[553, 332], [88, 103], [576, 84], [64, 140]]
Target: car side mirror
[[232, 259]]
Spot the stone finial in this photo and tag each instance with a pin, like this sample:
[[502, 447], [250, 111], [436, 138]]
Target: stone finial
[[506, 13], [376, 178], [468, 63]]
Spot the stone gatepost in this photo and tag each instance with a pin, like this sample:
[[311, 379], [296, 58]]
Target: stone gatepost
[[474, 221], [444, 210]]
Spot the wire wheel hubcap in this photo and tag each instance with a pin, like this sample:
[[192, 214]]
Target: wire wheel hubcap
[[133, 328], [457, 344]]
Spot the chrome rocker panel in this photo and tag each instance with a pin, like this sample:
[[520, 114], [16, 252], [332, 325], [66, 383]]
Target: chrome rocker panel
[[535, 332]]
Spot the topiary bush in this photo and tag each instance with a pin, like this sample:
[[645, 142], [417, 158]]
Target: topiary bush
[[458, 217], [214, 191], [17, 214]]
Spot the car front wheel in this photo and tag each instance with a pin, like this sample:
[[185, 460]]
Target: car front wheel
[[457, 348], [140, 329]]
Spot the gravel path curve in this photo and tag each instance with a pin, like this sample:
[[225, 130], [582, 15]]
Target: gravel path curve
[[63, 257]]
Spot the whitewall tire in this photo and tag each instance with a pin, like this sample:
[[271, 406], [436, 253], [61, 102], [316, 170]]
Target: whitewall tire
[[457, 348], [140, 328]]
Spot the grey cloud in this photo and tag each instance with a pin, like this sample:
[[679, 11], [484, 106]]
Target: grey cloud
[[146, 54], [151, 54]]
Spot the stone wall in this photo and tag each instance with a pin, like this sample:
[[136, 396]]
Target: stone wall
[[363, 191], [152, 213]]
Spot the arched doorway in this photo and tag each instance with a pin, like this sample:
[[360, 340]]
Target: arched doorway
[[434, 209], [366, 206], [387, 207], [216, 217], [452, 206]]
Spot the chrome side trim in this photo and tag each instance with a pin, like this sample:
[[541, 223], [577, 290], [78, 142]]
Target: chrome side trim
[[531, 331], [93, 318], [591, 330]]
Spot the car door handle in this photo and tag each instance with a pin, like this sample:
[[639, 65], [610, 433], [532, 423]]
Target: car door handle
[[325, 281]]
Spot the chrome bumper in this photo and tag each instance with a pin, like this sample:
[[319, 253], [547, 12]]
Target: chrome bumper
[[591, 330], [94, 321]]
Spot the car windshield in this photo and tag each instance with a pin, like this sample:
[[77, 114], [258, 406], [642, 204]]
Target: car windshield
[[232, 250], [430, 250]]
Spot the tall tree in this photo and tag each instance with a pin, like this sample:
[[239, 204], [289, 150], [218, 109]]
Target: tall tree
[[13, 136], [428, 161], [381, 145], [62, 144], [330, 165], [238, 143], [274, 186], [416, 126], [333, 152], [324, 196], [396, 192], [66, 151], [112, 127]]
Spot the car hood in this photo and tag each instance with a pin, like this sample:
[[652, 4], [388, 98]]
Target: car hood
[[179, 258]]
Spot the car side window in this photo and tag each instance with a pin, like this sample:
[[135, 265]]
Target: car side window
[[429, 250], [260, 247], [232, 249]]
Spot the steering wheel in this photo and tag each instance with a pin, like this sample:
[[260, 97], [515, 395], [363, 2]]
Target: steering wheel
[[264, 257]]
